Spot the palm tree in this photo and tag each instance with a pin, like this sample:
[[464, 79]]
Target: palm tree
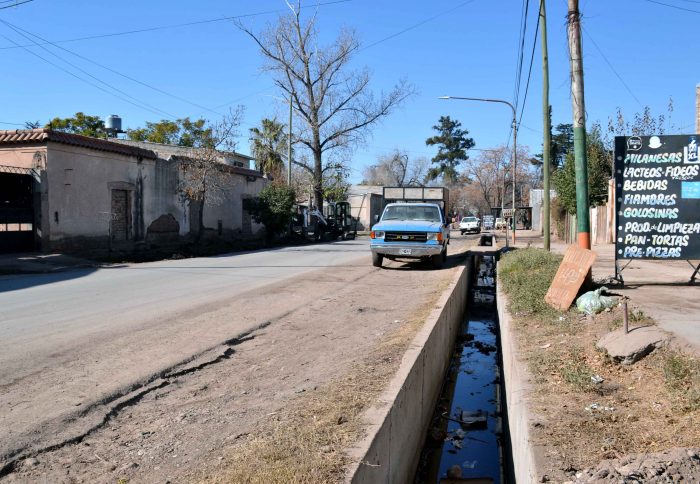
[[268, 145]]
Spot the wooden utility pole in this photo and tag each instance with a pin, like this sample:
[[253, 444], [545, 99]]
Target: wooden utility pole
[[289, 146], [579, 108], [547, 123]]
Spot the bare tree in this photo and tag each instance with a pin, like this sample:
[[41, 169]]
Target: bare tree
[[491, 172], [204, 170], [397, 169], [333, 102]]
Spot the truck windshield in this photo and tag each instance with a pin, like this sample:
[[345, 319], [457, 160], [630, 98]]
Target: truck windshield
[[408, 212]]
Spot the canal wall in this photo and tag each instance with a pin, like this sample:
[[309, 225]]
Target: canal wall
[[517, 388], [398, 422]]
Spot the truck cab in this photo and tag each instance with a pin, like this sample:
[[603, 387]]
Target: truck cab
[[410, 231]]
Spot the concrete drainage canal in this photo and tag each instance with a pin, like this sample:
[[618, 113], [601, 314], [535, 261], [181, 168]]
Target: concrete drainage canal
[[466, 440]]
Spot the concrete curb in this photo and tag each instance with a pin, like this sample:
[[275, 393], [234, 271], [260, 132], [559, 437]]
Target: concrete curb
[[398, 422], [517, 379]]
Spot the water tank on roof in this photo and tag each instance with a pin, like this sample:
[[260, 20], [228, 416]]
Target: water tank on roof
[[114, 124]]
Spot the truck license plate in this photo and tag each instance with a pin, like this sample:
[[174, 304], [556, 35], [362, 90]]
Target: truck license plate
[[404, 251]]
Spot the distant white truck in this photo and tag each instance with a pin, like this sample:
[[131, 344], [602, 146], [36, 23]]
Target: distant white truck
[[470, 224]]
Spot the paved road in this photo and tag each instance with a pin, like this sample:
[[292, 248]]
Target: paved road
[[70, 340], [74, 341]]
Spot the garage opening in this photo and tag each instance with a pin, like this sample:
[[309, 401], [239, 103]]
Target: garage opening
[[17, 225]]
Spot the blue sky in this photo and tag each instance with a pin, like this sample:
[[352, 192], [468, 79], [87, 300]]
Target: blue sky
[[636, 53]]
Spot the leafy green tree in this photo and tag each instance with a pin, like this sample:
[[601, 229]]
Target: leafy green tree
[[272, 208], [268, 143], [453, 143], [81, 123], [562, 144], [335, 184], [599, 172], [181, 132]]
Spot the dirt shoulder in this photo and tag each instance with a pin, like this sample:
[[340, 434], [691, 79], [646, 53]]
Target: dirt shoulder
[[595, 420], [276, 404]]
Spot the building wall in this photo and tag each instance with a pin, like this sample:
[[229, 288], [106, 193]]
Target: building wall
[[80, 183], [227, 207], [74, 199], [365, 207]]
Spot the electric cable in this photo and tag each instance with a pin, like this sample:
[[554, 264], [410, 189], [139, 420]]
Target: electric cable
[[16, 4], [113, 70], [174, 26], [422, 22], [76, 76], [529, 72], [612, 68], [673, 6]]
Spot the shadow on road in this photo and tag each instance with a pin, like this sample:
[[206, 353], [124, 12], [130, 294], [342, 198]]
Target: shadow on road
[[19, 282]]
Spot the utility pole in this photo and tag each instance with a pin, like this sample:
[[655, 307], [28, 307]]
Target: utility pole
[[547, 123], [515, 164], [289, 146], [579, 108]]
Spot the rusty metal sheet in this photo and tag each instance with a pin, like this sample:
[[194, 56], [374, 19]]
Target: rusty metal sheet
[[571, 274]]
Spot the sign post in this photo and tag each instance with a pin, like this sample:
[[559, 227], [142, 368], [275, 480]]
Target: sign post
[[657, 199]]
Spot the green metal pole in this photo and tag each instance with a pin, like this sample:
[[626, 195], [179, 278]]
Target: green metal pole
[[547, 128], [579, 108]]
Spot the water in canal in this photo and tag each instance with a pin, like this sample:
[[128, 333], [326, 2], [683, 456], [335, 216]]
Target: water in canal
[[464, 442]]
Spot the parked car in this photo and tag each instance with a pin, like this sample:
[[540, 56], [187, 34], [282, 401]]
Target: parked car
[[470, 224], [500, 223]]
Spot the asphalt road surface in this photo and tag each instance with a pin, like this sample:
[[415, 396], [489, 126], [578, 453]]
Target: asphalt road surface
[[73, 341]]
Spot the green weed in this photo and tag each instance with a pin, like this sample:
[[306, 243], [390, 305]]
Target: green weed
[[526, 275]]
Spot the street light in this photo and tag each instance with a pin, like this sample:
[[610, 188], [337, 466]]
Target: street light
[[515, 138]]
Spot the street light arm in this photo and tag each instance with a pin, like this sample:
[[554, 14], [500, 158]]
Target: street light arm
[[515, 143], [482, 99]]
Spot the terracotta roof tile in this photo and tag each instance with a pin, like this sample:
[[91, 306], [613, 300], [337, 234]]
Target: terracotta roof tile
[[21, 136]]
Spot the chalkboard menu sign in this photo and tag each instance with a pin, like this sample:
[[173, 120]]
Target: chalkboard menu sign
[[657, 197]]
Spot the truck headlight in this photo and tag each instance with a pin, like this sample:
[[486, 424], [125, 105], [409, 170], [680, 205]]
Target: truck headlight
[[434, 236], [376, 234]]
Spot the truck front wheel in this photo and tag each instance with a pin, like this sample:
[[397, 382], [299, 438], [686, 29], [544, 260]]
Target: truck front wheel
[[438, 260], [377, 259]]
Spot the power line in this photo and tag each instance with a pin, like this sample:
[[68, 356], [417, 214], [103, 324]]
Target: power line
[[600, 51], [76, 76], [673, 6], [112, 70], [521, 51], [529, 72], [175, 26], [16, 4], [414, 26], [12, 124]]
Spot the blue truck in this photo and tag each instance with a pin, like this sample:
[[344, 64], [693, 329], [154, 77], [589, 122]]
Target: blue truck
[[413, 225]]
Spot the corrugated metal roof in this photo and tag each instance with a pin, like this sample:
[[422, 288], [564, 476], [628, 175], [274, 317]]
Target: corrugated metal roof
[[23, 136]]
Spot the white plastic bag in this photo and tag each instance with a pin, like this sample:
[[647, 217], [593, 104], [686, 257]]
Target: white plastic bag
[[594, 302]]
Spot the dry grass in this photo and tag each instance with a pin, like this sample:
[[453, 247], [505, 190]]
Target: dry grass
[[646, 407], [306, 442]]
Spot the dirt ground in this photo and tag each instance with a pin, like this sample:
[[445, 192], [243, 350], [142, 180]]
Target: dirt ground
[[343, 337], [599, 421]]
